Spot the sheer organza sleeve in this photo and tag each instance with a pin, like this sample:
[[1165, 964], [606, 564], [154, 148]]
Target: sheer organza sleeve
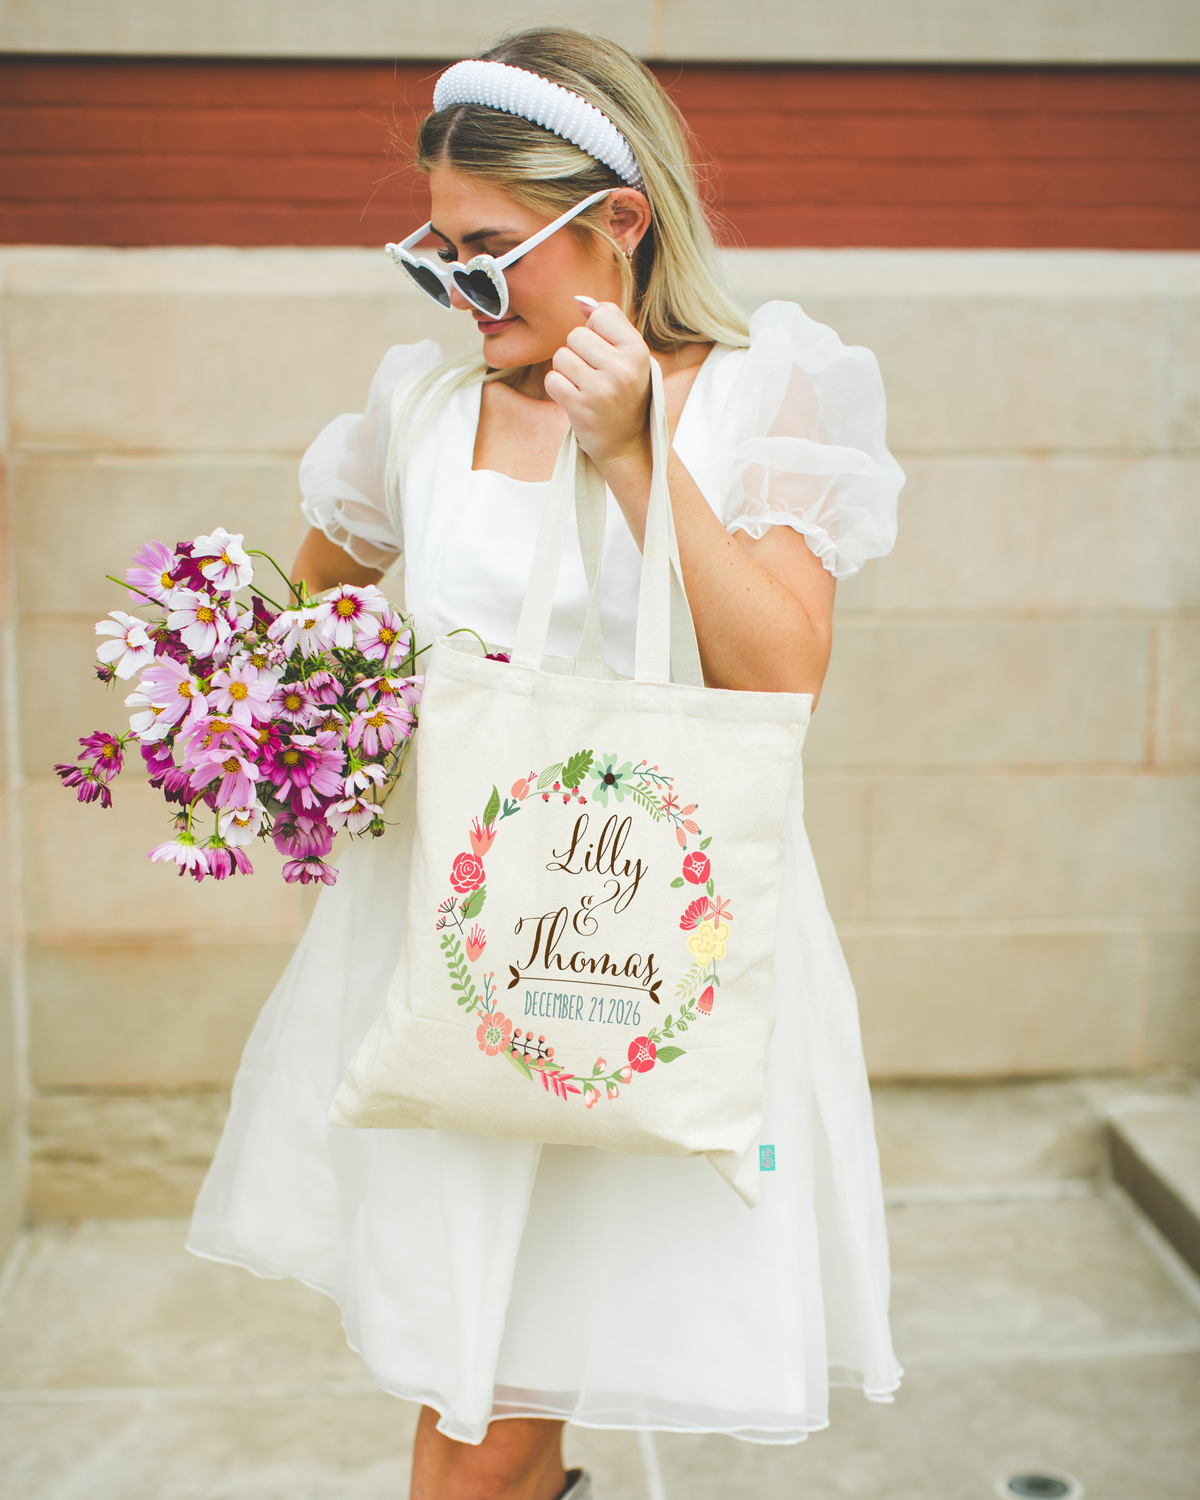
[[343, 476], [801, 441]]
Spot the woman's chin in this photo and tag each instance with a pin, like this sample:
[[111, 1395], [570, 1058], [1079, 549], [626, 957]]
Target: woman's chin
[[512, 345]]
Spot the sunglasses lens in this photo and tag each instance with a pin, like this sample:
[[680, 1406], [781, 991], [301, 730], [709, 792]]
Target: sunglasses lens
[[428, 282], [480, 290]]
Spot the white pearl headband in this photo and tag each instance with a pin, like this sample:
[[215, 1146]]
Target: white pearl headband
[[517, 92]]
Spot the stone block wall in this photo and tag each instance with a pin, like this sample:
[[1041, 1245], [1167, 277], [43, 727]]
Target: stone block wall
[[1002, 775]]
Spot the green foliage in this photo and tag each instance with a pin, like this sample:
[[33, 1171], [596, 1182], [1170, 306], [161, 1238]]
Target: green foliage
[[645, 801], [677, 882], [668, 1054], [493, 807], [704, 843], [473, 905], [460, 975], [576, 769], [548, 775], [520, 1064]]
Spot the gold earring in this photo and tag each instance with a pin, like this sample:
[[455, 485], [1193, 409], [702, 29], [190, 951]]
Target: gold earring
[[629, 249]]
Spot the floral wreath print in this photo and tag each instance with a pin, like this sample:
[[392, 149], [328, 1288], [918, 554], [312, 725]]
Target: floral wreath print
[[706, 918]]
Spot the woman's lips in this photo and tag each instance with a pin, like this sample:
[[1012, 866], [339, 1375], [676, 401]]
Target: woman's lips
[[494, 325]]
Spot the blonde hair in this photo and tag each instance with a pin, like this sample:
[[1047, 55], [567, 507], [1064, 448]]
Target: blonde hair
[[673, 289]]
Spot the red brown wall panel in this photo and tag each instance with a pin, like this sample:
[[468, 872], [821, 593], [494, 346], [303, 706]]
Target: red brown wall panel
[[185, 152]]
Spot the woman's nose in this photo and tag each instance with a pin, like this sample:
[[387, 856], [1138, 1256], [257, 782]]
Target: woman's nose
[[459, 301]]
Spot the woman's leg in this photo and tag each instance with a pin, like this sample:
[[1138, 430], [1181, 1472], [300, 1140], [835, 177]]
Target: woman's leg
[[520, 1458]]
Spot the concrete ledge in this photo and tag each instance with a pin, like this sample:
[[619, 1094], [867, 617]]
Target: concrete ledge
[[1155, 1149]]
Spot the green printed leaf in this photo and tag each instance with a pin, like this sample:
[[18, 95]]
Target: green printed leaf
[[576, 769], [677, 882], [647, 802], [709, 887], [493, 807], [704, 843], [520, 1064], [549, 774], [473, 905], [668, 1054]]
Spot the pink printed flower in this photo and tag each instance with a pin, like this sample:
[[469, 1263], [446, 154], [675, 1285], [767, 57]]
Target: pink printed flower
[[302, 836], [222, 560], [520, 789], [132, 647], [476, 942], [600, 1065], [467, 873], [611, 1090], [669, 802], [696, 867], [494, 1034], [354, 813], [383, 637], [202, 623], [150, 572], [308, 872], [706, 1000], [345, 611], [696, 912], [681, 837], [241, 693], [378, 729], [718, 910], [590, 1095], [306, 769], [298, 627], [642, 1053], [185, 852], [481, 837], [625, 1075]]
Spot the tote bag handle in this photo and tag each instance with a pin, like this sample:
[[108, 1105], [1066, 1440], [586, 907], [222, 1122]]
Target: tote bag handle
[[666, 646]]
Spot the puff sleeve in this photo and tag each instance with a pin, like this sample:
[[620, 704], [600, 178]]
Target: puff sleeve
[[343, 476], [801, 440]]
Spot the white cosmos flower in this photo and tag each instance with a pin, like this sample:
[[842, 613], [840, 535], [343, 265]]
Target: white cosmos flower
[[355, 813], [298, 627], [149, 720], [201, 622], [360, 780], [230, 568], [131, 649], [240, 825]]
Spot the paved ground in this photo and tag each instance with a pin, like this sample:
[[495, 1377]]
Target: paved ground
[[1042, 1324]]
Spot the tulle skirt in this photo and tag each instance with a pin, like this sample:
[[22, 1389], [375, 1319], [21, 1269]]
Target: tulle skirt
[[488, 1278]]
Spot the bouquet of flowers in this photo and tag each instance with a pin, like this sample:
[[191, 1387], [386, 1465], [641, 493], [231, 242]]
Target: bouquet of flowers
[[255, 719]]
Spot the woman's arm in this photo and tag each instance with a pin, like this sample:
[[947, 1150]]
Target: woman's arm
[[322, 565], [763, 610]]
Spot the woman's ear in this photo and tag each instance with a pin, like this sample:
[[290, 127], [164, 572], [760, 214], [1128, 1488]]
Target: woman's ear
[[630, 217]]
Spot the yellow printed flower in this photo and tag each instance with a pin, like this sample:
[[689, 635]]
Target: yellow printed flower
[[708, 942]]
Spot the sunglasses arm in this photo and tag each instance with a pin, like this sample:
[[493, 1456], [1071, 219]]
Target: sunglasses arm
[[544, 234]]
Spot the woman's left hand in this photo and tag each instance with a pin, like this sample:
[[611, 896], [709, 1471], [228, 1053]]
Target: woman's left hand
[[601, 379]]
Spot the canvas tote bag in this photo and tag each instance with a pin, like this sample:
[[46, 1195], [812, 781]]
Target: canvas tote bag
[[589, 946]]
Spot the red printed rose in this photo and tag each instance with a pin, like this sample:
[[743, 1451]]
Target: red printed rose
[[468, 873], [696, 867], [642, 1053]]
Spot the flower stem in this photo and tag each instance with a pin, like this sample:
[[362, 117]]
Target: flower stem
[[296, 589]]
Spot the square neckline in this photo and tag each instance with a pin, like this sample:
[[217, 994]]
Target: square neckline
[[702, 373]]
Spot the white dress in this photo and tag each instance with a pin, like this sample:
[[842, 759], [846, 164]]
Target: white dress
[[489, 1277]]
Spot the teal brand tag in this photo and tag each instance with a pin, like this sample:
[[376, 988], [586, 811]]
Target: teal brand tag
[[766, 1158]]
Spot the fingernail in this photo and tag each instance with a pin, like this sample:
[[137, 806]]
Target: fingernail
[[587, 301]]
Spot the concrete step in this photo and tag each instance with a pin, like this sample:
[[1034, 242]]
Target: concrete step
[[1155, 1150]]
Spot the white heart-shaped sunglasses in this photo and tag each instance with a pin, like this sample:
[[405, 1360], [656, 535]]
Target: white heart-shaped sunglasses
[[481, 281]]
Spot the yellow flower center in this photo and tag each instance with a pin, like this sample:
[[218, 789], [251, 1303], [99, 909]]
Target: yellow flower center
[[184, 689], [227, 560], [377, 721], [166, 580], [206, 614], [292, 702], [387, 636], [230, 765], [291, 757], [346, 608], [109, 752], [237, 689]]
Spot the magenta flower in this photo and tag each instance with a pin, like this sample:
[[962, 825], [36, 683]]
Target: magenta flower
[[222, 560], [241, 693], [151, 571], [306, 769], [383, 637], [238, 775], [225, 860], [90, 786], [159, 760], [199, 739], [132, 647], [296, 703], [308, 872], [302, 836], [406, 690], [201, 622], [324, 687], [105, 751], [345, 611]]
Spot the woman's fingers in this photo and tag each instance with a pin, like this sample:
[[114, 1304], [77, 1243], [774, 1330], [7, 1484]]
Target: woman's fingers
[[611, 323], [570, 364]]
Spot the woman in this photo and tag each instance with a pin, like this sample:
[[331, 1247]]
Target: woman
[[495, 1279]]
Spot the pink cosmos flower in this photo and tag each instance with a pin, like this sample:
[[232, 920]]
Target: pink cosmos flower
[[240, 825], [224, 861], [308, 872], [494, 1033], [265, 660], [344, 612], [201, 622], [354, 813], [302, 836], [476, 942], [170, 686], [201, 739], [296, 703], [238, 775], [306, 769], [324, 687], [159, 761], [150, 572], [390, 690], [105, 752], [383, 637], [131, 650], [230, 568], [378, 729], [90, 786], [298, 627], [240, 693], [185, 852]]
